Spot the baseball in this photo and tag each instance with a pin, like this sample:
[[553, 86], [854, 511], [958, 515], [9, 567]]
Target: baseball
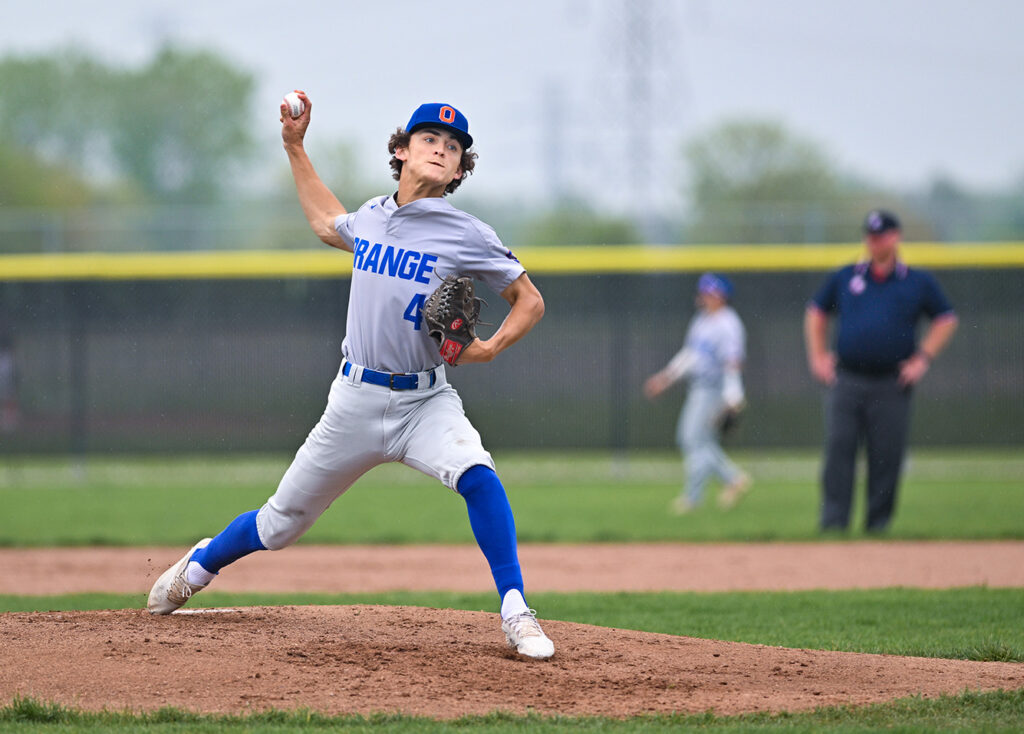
[[296, 105]]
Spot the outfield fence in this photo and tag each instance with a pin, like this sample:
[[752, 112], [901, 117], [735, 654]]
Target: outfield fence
[[219, 351]]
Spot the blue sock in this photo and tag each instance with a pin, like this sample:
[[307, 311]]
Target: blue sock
[[238, 539], [490, 516]]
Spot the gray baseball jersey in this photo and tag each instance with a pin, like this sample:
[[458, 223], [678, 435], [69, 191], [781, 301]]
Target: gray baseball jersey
[[400, 255], [716, 339]]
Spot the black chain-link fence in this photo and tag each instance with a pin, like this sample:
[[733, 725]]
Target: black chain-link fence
[[245, 365]]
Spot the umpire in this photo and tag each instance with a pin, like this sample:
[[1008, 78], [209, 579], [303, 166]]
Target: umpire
[[874, 368]]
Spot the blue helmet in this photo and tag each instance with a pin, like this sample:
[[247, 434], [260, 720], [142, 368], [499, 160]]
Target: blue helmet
[[715, 283]]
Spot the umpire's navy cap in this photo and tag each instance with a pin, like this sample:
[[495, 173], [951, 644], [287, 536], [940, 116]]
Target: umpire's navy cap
[[442, 115], [879, 220]]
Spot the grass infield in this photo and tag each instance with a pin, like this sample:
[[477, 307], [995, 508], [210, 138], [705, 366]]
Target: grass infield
[[968, 712]]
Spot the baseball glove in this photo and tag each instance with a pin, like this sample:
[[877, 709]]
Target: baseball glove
[[727, 420], [451, 313]]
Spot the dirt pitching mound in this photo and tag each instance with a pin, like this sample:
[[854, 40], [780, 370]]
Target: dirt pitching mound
[[436, 663]]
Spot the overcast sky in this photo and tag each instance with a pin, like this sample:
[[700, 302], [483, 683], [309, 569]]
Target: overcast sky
[[896, 90]]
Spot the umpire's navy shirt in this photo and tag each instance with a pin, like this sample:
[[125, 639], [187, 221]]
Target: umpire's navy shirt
[[877, 318]]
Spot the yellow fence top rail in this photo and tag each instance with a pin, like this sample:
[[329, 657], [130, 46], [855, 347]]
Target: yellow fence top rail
[[330, 263]]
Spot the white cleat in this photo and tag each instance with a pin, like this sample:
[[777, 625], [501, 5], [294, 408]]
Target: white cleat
[[524, 635], [732, 494], [682, 505], [172, 589]]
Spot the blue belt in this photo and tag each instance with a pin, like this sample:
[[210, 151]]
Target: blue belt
[[400, 381]]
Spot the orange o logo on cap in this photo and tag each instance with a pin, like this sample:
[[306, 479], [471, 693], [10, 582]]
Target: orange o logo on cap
[[447, 114]]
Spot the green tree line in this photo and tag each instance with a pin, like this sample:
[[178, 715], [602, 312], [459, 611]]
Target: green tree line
[[174, 130], [177, 129]]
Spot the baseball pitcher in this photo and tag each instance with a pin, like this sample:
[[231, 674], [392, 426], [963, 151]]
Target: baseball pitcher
[[390, 400]]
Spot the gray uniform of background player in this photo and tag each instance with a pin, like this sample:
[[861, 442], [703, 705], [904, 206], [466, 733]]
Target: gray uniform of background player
[[710, 358]]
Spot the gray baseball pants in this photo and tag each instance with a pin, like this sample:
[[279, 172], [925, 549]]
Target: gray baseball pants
[[874, 410], [695, 433]]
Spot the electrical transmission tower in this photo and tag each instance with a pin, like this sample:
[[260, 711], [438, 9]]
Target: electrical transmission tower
[[649, 41], [639, 94]]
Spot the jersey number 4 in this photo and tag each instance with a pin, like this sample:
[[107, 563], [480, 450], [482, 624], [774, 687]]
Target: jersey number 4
[[414, 311]]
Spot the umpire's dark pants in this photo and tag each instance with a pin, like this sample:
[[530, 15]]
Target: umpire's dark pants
[[875, 409]]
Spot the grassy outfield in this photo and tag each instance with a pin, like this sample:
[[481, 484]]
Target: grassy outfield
[[556, 498]]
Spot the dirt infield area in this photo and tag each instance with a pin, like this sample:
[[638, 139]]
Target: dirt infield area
[[445, 663]]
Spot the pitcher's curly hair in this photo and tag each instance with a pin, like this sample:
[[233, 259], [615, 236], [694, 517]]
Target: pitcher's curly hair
[[400, 139]]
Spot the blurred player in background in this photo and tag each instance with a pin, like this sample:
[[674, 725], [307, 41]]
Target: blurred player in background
[[874, 368], [712, 361], [391, 401]]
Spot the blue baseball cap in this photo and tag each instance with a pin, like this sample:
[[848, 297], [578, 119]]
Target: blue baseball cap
[[442, 115], [715, 283]]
